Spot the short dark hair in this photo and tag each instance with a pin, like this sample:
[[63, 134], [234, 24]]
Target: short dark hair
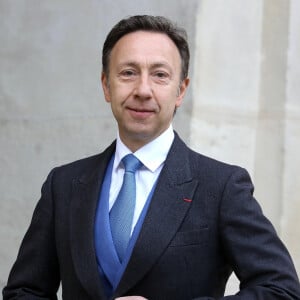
[[148, 23]]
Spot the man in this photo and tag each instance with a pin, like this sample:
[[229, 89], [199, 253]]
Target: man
[[193, 219]]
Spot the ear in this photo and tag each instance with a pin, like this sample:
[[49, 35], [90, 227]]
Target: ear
[[181, 91], [105, 87]]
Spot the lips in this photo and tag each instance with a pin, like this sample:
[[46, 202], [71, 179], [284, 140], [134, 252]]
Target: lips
[[140, 113]]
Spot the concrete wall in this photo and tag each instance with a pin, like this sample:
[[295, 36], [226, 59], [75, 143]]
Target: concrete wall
[[246, 108], [243, 106], [52, 110], [290, 203]]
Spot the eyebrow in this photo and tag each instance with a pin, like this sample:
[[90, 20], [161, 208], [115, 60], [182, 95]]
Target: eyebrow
[[152, 66]]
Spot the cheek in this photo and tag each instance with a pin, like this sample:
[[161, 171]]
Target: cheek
[[120, 92]]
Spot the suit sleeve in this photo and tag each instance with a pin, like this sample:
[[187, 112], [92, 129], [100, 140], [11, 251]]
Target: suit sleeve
[[35, 274], [258, 257]]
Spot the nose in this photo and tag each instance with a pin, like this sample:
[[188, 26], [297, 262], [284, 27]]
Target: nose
[[143, 89]]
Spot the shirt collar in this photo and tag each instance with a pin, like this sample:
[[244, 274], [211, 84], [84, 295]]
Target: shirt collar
[[152, 155]]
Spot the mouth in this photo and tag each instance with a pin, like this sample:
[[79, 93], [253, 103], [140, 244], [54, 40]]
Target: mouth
[[140, 113]]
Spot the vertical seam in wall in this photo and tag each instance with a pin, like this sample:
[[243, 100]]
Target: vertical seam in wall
[[272, 98], [191, 70], [288, 32]]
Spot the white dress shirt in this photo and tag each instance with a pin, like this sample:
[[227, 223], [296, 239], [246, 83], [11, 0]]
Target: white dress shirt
[[153, 156]]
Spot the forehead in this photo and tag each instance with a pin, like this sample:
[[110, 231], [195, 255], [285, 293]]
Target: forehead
[[145, 45]]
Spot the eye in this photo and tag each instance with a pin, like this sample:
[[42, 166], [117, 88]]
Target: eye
[[127, 73], [161, 77], [161, 74]]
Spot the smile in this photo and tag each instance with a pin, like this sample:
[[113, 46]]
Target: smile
[[138, 113]]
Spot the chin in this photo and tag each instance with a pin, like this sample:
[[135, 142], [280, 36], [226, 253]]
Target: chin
[[142, 136]]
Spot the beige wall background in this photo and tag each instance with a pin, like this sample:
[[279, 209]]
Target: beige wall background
[[246, 104], [243, 106]]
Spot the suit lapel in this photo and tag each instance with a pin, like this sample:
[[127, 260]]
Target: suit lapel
[[170, 204], [82, 217]]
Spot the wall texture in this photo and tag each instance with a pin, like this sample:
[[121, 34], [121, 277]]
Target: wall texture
[[52, 110], [243, 106], [246, 104]]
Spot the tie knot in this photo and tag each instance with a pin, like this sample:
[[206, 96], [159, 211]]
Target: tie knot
[[131, 163]]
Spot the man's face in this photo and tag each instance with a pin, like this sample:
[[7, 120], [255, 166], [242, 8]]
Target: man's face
[[144, 86]]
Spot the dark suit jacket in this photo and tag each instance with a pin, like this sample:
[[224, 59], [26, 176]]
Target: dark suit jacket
[[202, 223]]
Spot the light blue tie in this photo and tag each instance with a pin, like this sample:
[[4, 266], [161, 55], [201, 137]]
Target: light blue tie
[[121, 214]]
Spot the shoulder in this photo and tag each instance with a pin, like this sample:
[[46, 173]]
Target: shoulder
[[199, 161], [208, 164], [83, 168], [213, 173]]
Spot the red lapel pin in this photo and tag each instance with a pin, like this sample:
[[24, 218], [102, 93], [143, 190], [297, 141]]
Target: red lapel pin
[[187, 200]]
